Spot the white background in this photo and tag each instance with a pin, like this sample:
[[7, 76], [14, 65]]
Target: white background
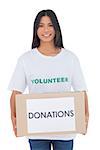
[[80, 25]]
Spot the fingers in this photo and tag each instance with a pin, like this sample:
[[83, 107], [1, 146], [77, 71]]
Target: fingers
[[14, 125], [15, 130], [86, 124]]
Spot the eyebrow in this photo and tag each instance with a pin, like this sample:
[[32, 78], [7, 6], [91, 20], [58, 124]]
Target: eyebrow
[[44, 23]]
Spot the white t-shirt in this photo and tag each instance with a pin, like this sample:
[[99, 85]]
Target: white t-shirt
[[41, 74]]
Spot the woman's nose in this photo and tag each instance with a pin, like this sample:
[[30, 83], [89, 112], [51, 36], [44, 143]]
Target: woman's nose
[[46, 29]]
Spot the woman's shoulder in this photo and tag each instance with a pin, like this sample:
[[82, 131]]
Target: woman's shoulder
[[70, 54], [26, 55]]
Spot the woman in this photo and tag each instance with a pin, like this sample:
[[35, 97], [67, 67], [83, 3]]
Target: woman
[[48, 59]]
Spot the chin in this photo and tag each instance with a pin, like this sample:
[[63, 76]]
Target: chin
[[46, 40]]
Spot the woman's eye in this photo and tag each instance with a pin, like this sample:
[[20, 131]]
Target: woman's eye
[[40, 25], [51, 25]]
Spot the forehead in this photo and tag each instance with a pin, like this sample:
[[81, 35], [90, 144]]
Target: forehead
[[45, 19]]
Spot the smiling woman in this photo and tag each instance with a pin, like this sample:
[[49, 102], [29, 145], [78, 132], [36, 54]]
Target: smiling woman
[[61, 73], [46, 30], [47, 33]]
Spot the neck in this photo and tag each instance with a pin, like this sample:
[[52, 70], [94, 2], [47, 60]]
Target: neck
[[48, 48]]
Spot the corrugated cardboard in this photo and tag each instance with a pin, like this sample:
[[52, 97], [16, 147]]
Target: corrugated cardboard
[[21, 111]]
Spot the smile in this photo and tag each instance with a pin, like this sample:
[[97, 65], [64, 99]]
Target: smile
[[46, 35]]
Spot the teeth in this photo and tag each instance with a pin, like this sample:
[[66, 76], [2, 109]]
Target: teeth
[[46, 35]]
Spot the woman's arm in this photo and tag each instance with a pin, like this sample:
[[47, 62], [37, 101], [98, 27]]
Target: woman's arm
[[13, 110], [86, 110]]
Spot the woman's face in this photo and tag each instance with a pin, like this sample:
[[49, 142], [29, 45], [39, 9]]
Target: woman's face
[[46, 32]]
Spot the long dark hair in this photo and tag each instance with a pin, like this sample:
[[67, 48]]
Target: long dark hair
[[58, 35]]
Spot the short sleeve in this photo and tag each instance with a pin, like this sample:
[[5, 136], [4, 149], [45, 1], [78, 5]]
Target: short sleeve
[[18, 80], [78, 81]]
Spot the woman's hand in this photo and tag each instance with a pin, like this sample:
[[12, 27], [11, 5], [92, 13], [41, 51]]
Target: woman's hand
[[13, 118], [13, 110], [86, 112], [86, 121]]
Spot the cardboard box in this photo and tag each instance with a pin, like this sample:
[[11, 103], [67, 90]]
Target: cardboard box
[[50, 113]]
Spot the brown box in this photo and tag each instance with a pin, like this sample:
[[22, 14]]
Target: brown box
[[50, 113]]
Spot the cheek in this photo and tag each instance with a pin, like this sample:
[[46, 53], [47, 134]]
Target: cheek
[[38, 32], [53, 31]]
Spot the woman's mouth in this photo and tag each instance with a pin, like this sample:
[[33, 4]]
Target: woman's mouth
[[46, 35]]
